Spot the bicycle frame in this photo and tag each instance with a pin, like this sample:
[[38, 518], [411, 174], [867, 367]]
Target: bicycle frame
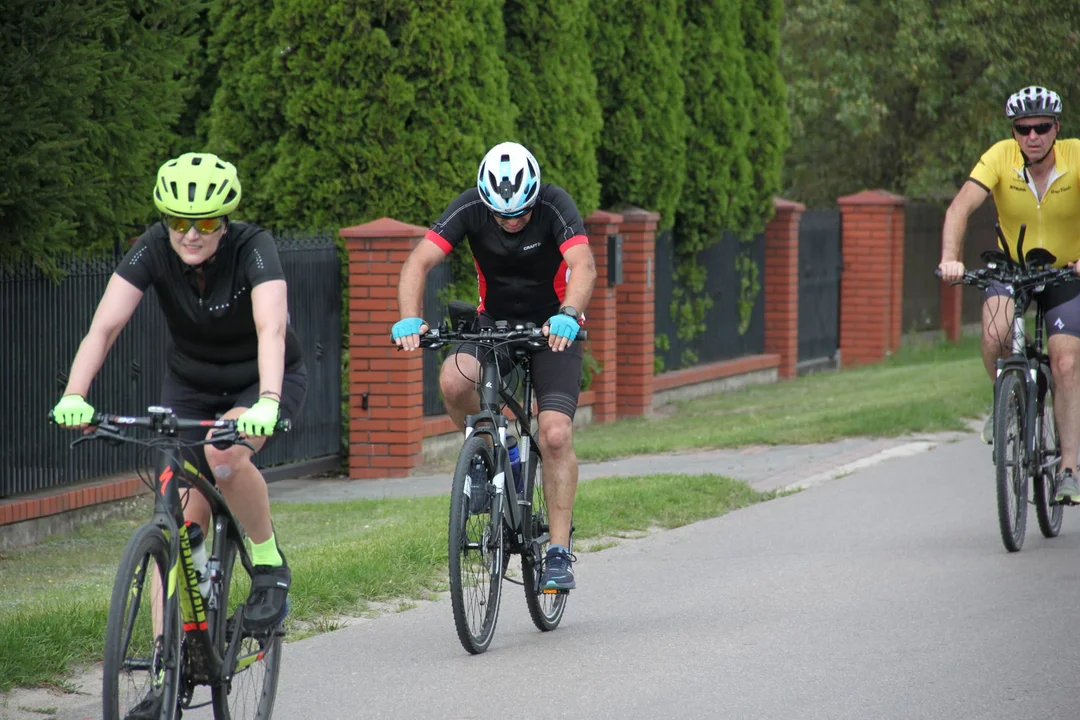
[[492, 422], [199, 615], [1030, 362]]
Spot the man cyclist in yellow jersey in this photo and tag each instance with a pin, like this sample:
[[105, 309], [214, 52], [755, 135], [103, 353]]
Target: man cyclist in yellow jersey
[[1035, 180]]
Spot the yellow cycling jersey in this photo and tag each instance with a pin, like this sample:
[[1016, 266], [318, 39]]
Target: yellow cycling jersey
[[1053, 221]]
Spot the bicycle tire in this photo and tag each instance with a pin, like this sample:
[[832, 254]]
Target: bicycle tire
[[1048, 514], [1010, 461], [251, 692], [148, 549], [545, 610], [476, 554]]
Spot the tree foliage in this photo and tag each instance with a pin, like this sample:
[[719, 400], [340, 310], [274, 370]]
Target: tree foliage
[[91, 90], [552, 83], [906, 95], [375, 108], [637, 56]]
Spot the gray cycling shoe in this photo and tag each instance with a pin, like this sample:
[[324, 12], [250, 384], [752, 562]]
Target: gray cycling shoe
[[1068, 489]]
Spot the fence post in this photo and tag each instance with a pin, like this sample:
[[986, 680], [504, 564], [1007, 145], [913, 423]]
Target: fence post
[[602, 316], [637, 299], [386, 387], [871, 287], [782, 285], [951, 304]]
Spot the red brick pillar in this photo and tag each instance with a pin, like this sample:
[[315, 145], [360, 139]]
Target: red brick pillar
[[601, 316], [782, 285], [386, 386], [951, 302], [637, 305], [871, 287]]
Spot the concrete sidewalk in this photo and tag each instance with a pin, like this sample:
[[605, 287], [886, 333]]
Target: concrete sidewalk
[[763, 467]]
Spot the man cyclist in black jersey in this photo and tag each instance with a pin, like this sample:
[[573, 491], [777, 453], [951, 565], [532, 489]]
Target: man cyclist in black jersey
[[231, 351], [533, 264]]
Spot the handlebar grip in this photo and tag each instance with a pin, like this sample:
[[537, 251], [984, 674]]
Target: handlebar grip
[[583, 335], [937, 272]]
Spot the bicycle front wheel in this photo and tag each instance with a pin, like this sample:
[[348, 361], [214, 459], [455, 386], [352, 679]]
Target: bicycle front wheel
[[476, 552], [1048, 514], [253, 687], [143, 637], [1010, 461], [546, 610]]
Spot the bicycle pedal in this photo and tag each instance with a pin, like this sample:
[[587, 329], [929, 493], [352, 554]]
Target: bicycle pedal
[[554, 591]]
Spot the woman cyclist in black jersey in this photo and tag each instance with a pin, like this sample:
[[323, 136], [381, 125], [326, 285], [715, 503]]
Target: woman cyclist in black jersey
[[534, 265], [231, 351]]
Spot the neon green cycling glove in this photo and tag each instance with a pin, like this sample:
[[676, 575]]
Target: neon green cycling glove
[[73, 411], [260, 418]]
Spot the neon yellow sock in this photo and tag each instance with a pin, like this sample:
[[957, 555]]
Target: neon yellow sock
[[266, 553]]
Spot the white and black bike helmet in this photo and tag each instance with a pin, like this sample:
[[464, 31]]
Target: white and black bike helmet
[[1033, 101], [509, 179]]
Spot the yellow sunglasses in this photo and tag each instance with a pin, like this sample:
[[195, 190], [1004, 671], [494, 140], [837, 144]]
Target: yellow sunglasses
[[203, 226]]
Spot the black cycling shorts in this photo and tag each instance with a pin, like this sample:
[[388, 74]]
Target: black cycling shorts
[[1060, 305], [556, 376], [190, 403]]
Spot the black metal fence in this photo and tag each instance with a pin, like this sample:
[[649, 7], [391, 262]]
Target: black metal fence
[[923, 220], [923, 223], [820, 265], [722, 339], [42, 324]]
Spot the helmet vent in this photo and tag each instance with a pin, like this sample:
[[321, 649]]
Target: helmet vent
[[210, 191], [191, 192], [196, 160]]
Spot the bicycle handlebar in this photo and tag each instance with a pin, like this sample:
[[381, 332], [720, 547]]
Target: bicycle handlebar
[[163, 421], [502, 333], [1014, 275]]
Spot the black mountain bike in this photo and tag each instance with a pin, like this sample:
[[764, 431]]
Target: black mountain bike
[[1026, 450], [480, 543], [165, 639]]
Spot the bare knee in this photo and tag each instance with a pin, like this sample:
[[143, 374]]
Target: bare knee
[[225, 464], [1064, 365], [557, 434], [457, 381]]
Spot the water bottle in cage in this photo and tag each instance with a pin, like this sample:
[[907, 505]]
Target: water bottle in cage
[[515, 462], [198, 556]]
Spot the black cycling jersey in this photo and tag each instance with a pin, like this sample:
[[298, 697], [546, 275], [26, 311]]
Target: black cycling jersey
[[213, 343], [522, 276]]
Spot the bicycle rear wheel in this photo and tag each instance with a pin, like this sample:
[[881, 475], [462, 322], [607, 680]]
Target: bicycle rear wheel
[[143, 636], [1049, 515], [546, 610], [253, 687], [476, 553], [1010, 461]]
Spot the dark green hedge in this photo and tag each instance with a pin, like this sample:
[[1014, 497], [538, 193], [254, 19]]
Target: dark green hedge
[[91, 90]]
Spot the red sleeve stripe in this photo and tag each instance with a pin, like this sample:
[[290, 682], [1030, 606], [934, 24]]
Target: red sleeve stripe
[[439, 240], [576, 240]]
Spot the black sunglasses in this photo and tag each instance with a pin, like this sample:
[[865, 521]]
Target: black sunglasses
[[1040, 129]]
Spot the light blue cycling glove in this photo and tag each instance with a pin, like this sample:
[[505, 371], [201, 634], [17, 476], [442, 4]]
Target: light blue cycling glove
[[563, 326], [406, 327]]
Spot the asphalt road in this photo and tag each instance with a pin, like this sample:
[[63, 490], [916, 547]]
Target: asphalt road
[[885, 593], [882, 594]]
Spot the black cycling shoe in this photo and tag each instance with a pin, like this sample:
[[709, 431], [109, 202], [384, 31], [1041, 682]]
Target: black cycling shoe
[[149, 708], [268, 601]]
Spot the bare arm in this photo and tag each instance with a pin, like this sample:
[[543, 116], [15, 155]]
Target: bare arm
[[421, 260], [582, 276], [270, 308], [112, 314], [970, 197]]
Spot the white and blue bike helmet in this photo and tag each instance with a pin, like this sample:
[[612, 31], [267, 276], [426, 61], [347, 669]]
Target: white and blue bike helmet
[[509, 180]]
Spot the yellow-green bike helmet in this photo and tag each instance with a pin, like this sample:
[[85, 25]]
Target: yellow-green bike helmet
[[197, 185]]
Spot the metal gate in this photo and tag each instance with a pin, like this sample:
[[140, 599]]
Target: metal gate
[[820, 263]]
